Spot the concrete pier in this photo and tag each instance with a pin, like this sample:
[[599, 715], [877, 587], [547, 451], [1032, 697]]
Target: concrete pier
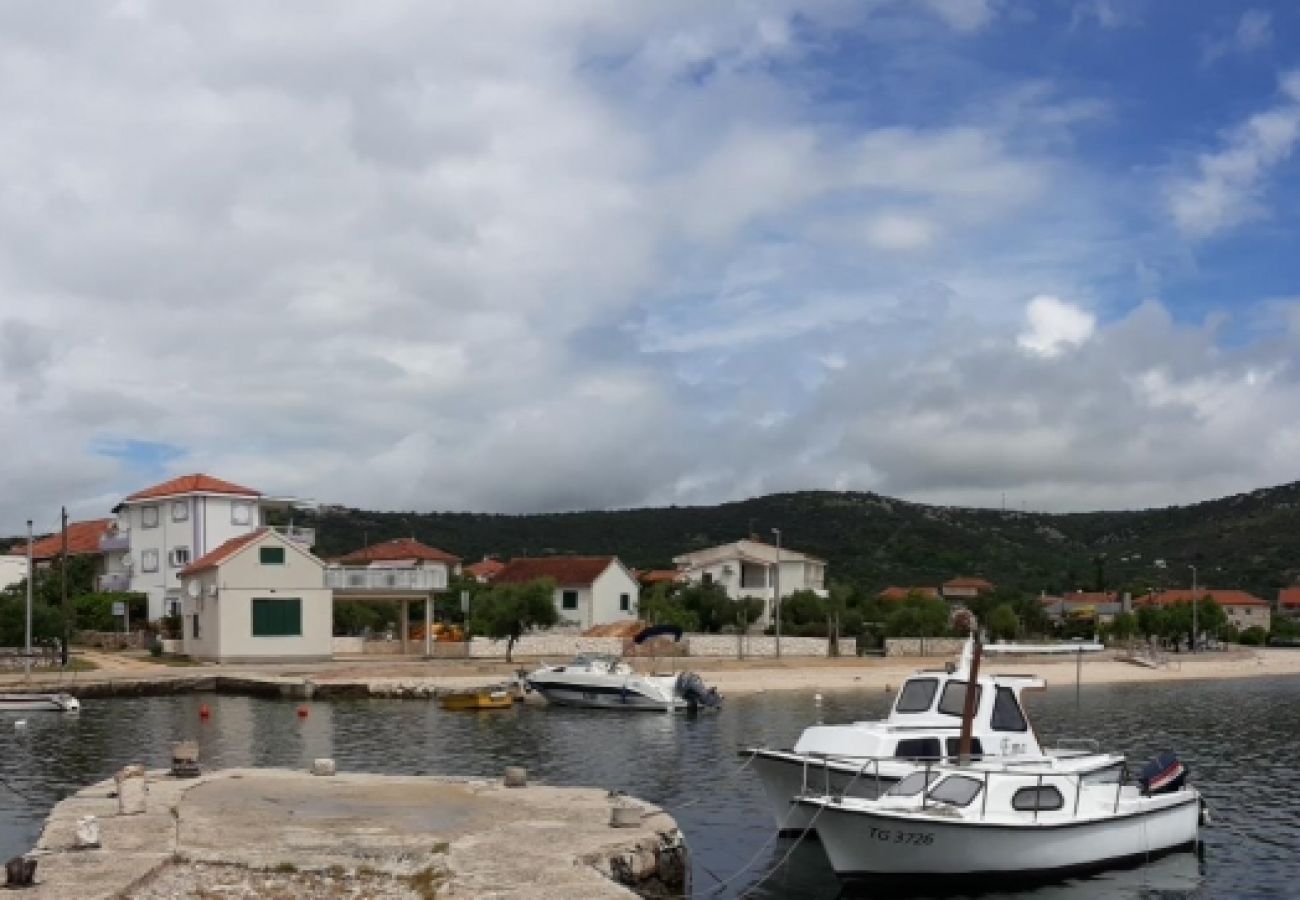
[[274, 832]]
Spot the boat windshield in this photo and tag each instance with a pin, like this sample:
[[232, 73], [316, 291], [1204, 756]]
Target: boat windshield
[[605, 660], [911, 785], [917, 695]]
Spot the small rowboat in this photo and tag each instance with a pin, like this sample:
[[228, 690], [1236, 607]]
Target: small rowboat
[[39, 702], [482, 698]]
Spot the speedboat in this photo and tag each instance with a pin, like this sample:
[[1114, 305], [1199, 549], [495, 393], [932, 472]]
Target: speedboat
[[1006, 820], [865, 759], [607, 681], [39, 702]]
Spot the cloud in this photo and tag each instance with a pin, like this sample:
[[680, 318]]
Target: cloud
[[1054, 325], [1105, 13], [963, 15], [1225, 187], [1254, 32]]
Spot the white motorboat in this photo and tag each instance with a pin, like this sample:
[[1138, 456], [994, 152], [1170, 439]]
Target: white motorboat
[[39, 702], [864, 759], [606, 681], [1006, 820]]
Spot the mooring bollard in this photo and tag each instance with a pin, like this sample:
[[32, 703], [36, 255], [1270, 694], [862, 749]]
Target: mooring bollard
[[87, 837], [20, 872], [516, 776], [185, 759], [323, 766], [131, 790]]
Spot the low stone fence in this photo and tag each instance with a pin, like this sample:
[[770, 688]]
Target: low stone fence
[[924, 646], [724, 645], [113, 640], [545, 645], [764, 645]]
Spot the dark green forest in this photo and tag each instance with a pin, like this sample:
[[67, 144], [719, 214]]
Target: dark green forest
[[1248, 541]]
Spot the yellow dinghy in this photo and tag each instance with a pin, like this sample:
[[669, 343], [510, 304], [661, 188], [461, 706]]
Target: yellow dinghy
[[481, 698]]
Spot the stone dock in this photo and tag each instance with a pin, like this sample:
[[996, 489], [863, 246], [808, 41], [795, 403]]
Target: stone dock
[[280, 833]]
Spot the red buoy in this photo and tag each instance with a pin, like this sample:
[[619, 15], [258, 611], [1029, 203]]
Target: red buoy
[[302, 712], [204, 712]]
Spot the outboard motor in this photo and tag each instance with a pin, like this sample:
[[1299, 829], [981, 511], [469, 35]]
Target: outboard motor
[[1163, 775], [690, 687]]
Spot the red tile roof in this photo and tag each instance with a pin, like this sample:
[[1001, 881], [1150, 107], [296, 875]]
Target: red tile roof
[[1288, 598], [485, 569], [397, 548], [978, 583], [563, 570], [658, 576], [1089, 598], [1220, 596], [899, 594], [193, 484], [216, 557], [83, 540]]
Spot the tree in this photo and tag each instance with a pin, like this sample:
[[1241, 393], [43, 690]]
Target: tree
[[918, 616], [507, 611], [1151, 620], [1124, 626], [662, 605], [1003, 622]]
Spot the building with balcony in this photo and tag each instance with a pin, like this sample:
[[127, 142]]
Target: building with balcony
[[162, 529], [749, 568], [959, 589], [256, 597], [589, 590], [1244, 610]]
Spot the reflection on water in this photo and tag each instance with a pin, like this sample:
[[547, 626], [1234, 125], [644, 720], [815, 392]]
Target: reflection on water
[[1237, 738]]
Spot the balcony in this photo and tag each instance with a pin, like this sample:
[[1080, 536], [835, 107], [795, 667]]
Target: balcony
[[361, 579], [118, 541], [117, 581], [297, 534]]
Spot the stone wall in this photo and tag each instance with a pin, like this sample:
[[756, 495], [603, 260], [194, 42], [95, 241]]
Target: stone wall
[[544, 644], [113, 640], [764, 646], [568, 645], [924, 646]]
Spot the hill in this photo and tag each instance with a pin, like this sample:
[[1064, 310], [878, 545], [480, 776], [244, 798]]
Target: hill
[[1251, 541]]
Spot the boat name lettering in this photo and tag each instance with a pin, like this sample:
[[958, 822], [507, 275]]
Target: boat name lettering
[[894, 836]]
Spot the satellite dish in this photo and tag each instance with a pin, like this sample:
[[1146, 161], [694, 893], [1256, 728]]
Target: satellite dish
[[192, 588]]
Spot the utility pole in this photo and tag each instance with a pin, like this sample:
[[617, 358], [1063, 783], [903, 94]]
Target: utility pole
[[1193, 568], [63, 588], [776, 590], [27, 644]]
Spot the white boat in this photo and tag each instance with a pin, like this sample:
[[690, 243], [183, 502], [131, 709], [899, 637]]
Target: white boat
[[39, 702], [1006, 820], [864, 759], [605, 681]]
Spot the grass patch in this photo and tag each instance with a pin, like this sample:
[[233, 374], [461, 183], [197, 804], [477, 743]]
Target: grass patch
[[426, 882]]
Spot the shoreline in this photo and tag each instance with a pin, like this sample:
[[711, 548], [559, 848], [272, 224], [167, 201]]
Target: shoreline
[[424, 679]]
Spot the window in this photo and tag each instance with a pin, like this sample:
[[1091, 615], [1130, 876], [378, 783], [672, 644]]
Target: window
[[180, 556], [625, 602], [706, 578], [1037, 799], [910, 785], [956, 790], [148, 517], [240, 514], [194, 624], [1007, 715], [917, 748], [180, 510], [270, 556], [953, 701], [917, 695], [277, 617], [149, 560], [976, 748], [569, 600]]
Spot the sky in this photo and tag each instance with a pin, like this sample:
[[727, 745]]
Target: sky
[[560, 255]]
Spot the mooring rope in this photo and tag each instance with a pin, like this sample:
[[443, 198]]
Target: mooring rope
[[706, 797]]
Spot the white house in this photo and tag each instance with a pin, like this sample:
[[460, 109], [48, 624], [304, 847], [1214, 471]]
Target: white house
[[258, 596], [748, 568], [13, 569], [162, 529], [589, 590]]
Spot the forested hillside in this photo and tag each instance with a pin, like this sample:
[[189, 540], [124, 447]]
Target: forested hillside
[[1251, 541]]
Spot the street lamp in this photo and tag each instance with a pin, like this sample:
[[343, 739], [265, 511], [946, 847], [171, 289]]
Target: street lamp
[[776, 590], [1193, 568]]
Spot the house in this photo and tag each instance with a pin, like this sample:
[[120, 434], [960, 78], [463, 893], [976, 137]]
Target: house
[[257, 596], [651, 577], [748, 568], [1095, 606], [83, 540], [163, 528], [13, 569], [966, 588], [1288, 602], [899, 594], [403, 553], [1244, 610], [485, 569], [589, 590]]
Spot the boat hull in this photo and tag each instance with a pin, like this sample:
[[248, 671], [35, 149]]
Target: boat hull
[[876, 846], [39, 703], [783, 774], [483, 700], [599, 697]]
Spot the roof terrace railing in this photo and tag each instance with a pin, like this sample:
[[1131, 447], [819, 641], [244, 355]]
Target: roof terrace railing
[[364, 578]]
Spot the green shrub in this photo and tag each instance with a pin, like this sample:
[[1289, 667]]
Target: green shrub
[[1253, 636]]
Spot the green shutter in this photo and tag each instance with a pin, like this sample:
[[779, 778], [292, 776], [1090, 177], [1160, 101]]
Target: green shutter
[[277, 617], [270, 556]]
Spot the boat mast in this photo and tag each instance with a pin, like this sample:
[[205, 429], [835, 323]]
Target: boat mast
[[968, 706]]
